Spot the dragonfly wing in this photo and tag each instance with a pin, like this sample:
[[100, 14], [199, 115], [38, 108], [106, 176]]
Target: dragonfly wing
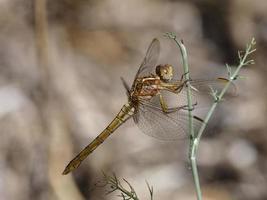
[[148, 65], [172, 126], [206, 86], [126, 86]]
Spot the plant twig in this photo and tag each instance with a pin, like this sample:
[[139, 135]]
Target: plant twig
[[150, 188], [190, 108], [217, 98], [195, 139], [242, 62], [129, 193]]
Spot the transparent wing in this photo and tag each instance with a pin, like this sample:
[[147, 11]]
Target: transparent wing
[[172, 100], [201, 88], [126, 86], [149, 63], [172, 126], [206, 86]]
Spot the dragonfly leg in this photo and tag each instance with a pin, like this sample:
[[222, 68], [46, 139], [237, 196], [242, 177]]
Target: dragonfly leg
[[186, 107], [179, 89], [183, 80], [183, 75], [163, 104], [165, 108]]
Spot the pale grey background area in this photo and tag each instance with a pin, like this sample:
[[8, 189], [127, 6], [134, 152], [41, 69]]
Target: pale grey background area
[[51, 109]]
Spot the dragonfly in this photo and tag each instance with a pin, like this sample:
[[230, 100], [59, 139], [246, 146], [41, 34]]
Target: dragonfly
[[148, 106]]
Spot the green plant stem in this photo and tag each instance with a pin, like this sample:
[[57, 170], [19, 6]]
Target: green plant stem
[[195, 140], [190, 115], [242, 63], [217, 99], [187, 78]]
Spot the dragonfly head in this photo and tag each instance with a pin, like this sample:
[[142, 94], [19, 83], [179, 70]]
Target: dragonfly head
[[165, 72]]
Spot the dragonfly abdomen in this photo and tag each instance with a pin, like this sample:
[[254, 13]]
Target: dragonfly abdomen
[[125, 113]]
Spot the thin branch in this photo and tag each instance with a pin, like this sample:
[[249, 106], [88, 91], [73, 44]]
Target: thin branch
[[114, 185], [150, 188], [195, 140], [190, 108]]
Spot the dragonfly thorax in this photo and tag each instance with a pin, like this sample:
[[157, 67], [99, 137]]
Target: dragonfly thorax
[[165, 72], [145, 88]]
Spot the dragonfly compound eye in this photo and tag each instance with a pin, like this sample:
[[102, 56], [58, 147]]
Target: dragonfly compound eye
[[165, 72]]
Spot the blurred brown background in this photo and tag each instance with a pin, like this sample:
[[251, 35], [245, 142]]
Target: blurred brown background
[[60, 63]]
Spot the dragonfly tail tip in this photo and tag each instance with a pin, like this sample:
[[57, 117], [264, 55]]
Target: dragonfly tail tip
[[66, 171]]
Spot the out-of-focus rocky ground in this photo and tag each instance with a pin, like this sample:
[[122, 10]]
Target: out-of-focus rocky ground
[[60, 86]]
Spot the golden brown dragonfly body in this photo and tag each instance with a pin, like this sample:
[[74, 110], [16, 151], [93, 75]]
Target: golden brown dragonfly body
[[143, 89], [149, 83]]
